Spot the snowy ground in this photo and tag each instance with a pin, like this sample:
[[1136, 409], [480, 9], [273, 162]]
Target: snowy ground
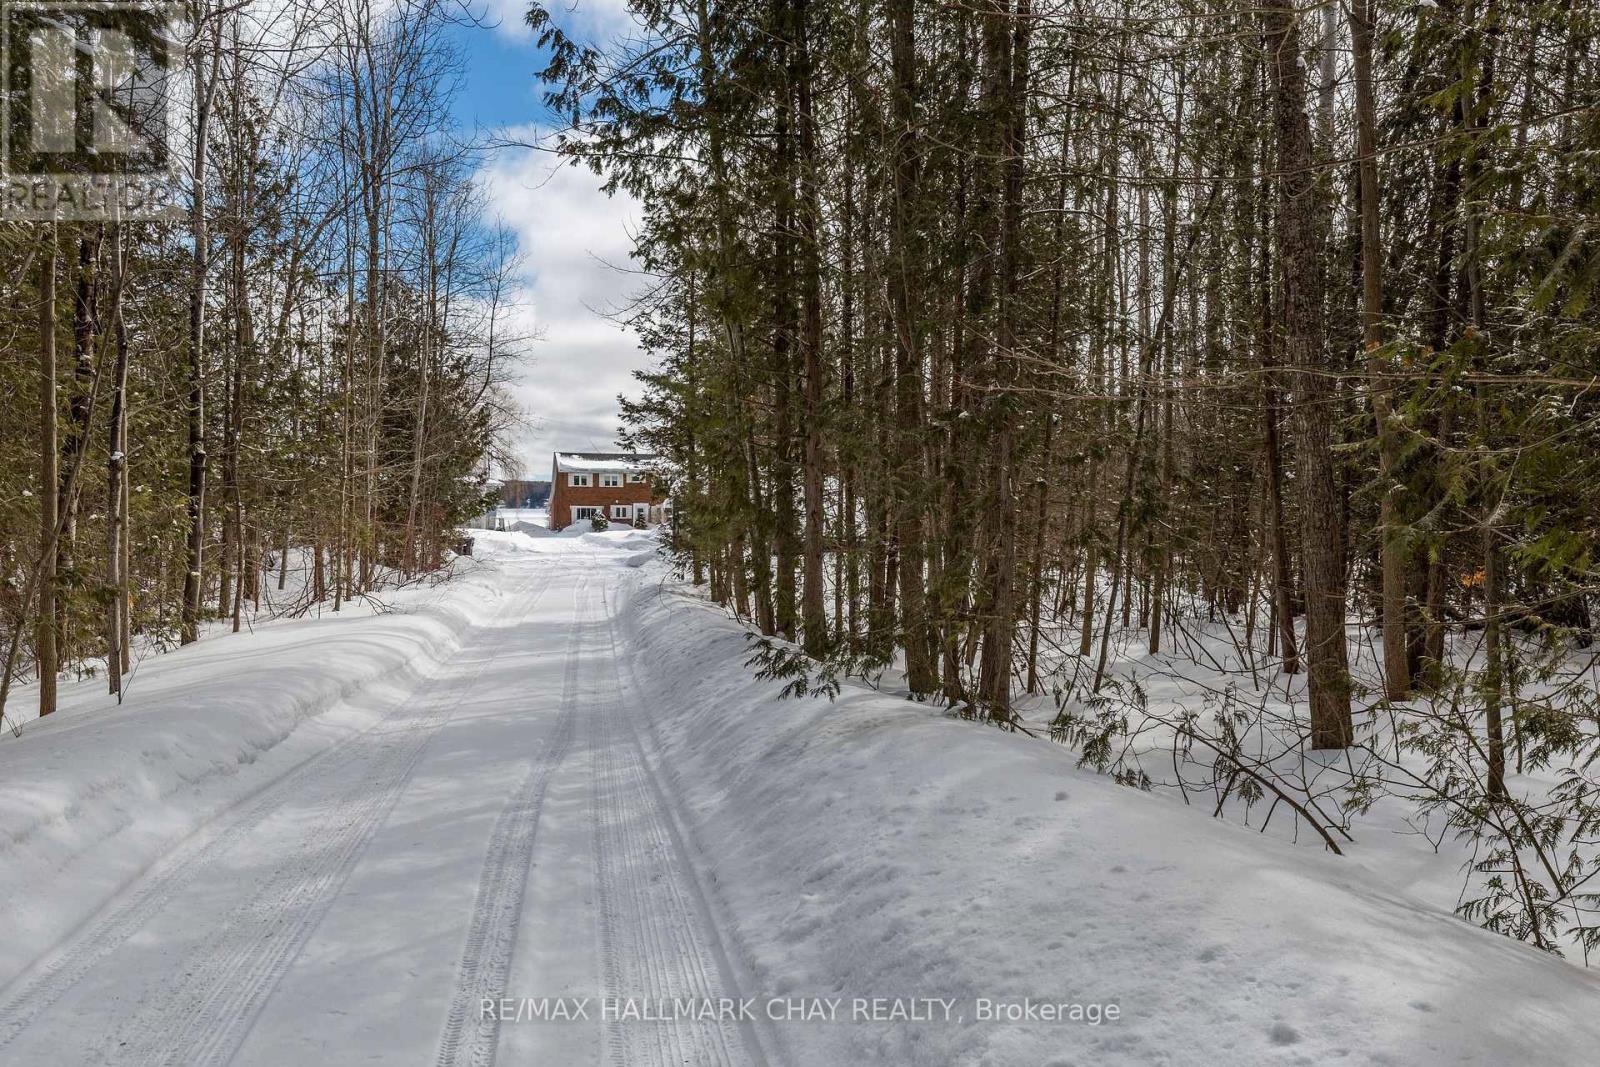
[[522, 520], [334, 840]]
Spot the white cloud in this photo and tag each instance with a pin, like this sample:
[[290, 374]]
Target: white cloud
[[583, 17], [576, 242]]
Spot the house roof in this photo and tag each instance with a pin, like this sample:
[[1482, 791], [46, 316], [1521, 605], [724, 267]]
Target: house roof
[[602, 461]]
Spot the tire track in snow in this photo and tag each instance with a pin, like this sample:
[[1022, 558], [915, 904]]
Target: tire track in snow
[[233, 971], [46, 981], [227, 976], [497, 910], [657, 935], [760, 1042]]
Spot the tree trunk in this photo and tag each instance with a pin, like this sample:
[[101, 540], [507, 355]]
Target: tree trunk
[[1396, 668], [204, 84], [905, 250], [85, 330], [49, 475], [1012, 84], [116, 474], [1304, 349], [813, 617]]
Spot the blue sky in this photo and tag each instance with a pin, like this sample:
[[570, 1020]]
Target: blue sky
[[499, 87], [572, 236]]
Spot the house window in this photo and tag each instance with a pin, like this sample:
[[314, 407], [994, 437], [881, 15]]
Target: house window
[[636, 477], [610, 481], [579, 514], [580, 481], [621, 511]]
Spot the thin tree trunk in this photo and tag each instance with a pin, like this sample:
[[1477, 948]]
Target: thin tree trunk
[[116, 473], [1013, 84], [49, 488], [85, 330], [1396, 669], [813, 617], [921, 676], [1493, 670], [204, 84]]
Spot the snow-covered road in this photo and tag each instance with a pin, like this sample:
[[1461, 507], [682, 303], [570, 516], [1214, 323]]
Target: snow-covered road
[[335, 841], [362, 906]]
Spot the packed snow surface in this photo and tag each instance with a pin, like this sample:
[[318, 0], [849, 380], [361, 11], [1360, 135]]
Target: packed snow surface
[[524, 814]]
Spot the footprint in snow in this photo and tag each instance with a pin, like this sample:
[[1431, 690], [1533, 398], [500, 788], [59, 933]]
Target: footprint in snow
[[1284, 1034]]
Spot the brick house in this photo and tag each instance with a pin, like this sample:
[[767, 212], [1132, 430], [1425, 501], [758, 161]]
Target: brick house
[[614, 484]]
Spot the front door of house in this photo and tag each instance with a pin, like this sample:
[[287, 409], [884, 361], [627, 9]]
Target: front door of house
[[641, 514]]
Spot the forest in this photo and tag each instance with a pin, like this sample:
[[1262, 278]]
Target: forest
[[1006, 344], [291, 384], [1080, 513]]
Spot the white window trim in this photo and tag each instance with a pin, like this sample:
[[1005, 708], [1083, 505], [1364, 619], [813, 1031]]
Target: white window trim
[[580, 481], [580, 512], [622, 511], [611, 481]]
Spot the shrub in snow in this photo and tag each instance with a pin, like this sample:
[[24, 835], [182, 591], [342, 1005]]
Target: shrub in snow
[[802, 675], [598, 522]]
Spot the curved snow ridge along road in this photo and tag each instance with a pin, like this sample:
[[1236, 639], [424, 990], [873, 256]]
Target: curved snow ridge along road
[[196, 1006], [204, 1017], [49, 979]]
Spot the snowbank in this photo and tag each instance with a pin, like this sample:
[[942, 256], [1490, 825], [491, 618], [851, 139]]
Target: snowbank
[[866, 848], [875, 848], [91, 796], [532, 529]]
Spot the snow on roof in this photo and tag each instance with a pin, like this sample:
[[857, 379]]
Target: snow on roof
[[602, 461]]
